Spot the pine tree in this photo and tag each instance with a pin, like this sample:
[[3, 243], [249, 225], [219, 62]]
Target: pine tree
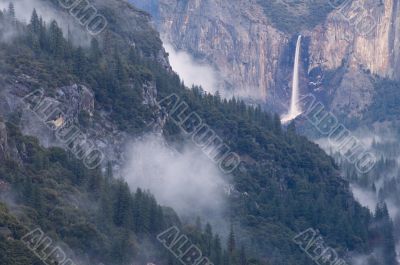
[[226, 258], [141, 213], [216, 255], [95, 52], [109, 172], [120, 71], [28, 190], [11, 11], [122, 206], [242, 256], [79, 63], [291, 129], [155, 215], [198, 224], [231, 241], [208, 239], [385, 232], [37, 199], [56, 40], [43, 40], [35, 22], [277, 124]]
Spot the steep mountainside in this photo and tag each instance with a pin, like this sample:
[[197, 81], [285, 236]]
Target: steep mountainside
[[365, 37], [108, 88], [344, 42], [237, 38]]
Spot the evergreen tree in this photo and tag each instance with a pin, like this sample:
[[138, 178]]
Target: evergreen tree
[[79, 63], [56, 40], [217, 251], [120, 71], [231, 242], [35, 22], [208, 239], [109, 171], [385, 234], [11, 10], [198, 224], [291, 129], [226, 260], [43, 41], [277, 124], [95, 52], [242, 256], [122, 206]]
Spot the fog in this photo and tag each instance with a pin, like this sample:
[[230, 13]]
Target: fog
[[190, 70], [24, 9], [382, 182], [365, 197], [7, 34], [186, 180]]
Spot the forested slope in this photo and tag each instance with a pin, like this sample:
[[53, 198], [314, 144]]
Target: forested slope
[[289, 182]]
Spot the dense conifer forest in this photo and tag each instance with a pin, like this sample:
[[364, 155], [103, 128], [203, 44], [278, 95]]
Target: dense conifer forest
[[291, 184]]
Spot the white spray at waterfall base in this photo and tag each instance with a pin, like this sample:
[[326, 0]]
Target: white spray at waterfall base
[[294, 110]]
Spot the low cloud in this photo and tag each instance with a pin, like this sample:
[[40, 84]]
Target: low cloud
[[24, 9], [186, 180], [191, 71], [365, 197]]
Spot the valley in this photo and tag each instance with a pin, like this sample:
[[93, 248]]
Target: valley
[[169, 131]]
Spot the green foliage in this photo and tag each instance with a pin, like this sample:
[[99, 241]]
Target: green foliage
[[287, 184], [84, 209], [13, 252], [383, 234]]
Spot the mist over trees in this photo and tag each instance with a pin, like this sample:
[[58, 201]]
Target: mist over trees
[[286, 184]]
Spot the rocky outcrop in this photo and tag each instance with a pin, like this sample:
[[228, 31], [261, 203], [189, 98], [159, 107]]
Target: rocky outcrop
[[365, 32], [354, 94], [364, 38], [235, 38], [74, 104], [136, 27], [67, 107], [159, 118], [253, 58]]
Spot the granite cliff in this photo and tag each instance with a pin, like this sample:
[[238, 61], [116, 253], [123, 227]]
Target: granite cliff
[[253, 54]]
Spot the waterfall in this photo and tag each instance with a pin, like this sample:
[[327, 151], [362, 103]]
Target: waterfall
[[294, 110]]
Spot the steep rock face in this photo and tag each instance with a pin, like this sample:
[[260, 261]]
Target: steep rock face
[[362, 37], [368, 32], [353, 95], [135, 26], [150, 99], [236, 38], [127, 26], [77, 105]]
